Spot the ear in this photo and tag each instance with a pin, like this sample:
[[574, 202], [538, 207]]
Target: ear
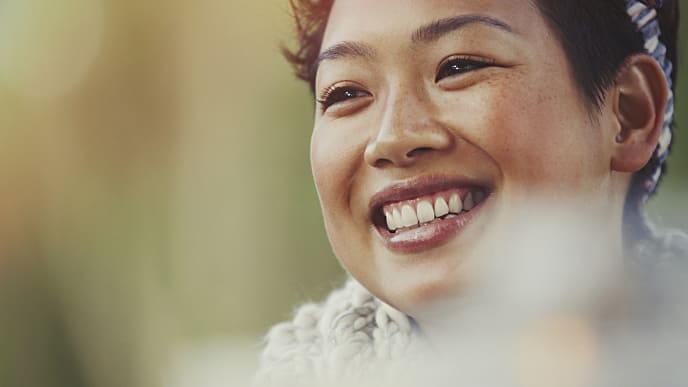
[[640, 96]]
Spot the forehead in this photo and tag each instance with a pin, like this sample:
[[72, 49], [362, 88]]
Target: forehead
[[366, 19]]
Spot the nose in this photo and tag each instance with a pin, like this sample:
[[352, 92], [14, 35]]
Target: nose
[[407, 134]]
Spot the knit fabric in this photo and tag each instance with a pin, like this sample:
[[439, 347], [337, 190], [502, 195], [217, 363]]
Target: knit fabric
[[351, 336], [354, 338]]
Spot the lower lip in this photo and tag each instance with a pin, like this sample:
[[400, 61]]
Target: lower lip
[[430, 235]]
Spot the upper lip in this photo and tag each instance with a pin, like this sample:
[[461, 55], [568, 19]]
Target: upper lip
[[420, 186]]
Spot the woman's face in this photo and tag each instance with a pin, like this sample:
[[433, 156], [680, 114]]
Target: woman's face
[[436, 121]]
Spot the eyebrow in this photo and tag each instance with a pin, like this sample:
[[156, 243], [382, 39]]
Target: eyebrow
[[344, 50], [438, 28], [426, 33]]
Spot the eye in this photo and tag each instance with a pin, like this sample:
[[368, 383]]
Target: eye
[[461, 65], [339, 94]]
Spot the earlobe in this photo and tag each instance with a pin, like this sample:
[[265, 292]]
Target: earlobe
[[640, 96]]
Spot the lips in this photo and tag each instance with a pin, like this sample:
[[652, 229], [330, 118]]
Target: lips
[[424, 213]]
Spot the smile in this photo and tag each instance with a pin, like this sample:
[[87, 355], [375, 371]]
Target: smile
[[420, 211], [424, 214]]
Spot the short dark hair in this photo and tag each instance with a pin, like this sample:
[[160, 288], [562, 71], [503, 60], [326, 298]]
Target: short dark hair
[[598, 37]]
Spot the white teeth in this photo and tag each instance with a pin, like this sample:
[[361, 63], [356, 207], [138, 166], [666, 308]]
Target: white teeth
[[396, 217], [455, 205], [441, 207], [479, 197], [390, 221], [425, 212], [468, 203], [408, 216]]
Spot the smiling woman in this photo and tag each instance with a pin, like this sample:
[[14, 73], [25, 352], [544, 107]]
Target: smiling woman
[[443, 126]]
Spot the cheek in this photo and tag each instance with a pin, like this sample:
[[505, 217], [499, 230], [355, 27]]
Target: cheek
[[536, 130], [334, 161]]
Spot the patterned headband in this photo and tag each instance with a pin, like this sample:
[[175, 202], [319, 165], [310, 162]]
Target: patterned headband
[[644, 16]]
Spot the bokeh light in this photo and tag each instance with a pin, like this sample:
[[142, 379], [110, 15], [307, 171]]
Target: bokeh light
[[157, 212]]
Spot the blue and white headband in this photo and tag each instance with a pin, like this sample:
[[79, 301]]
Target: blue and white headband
[[644, 16]]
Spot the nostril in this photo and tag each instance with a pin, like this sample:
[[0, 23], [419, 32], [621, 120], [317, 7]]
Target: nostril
[[382, 163], [418, 152]]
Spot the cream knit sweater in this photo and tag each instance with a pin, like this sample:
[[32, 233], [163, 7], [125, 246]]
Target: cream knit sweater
[[353, 338], [348, 337]]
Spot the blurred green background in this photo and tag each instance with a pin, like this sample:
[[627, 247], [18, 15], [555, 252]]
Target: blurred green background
[[157, 213]]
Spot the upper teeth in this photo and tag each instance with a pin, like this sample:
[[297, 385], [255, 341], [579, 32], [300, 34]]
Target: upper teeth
[[441, 207], [455, 205], [425, 212], [419, 211], [468, 202], [408, 216]]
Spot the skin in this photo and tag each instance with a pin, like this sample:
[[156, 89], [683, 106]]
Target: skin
[[519, 127]]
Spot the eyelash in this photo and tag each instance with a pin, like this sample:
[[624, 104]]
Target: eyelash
[[451, 67], [460, 65], [336, 94]]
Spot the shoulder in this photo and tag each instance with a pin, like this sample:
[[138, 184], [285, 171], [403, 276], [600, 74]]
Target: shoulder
[[344, 335]]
